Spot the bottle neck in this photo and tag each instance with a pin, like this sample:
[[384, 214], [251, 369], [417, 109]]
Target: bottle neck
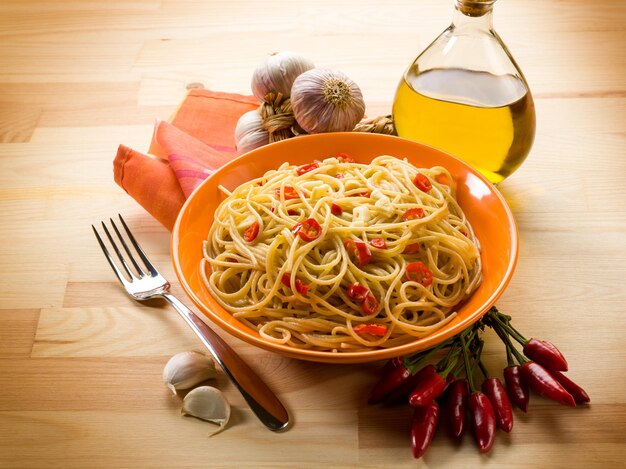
[[473, 14]]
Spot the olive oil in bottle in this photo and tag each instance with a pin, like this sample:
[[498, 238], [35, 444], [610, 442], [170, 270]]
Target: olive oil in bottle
[[491, 125], [465, 94]]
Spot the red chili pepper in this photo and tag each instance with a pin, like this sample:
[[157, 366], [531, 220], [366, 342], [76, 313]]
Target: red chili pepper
[[306, 168], [401, 394], [288, 191], [301, 287], [365, 194], [418, 272], [414, 214], [379, 243], [455, 407], [542, 382], [375, 329], [516, 388], [423, 427], [578, 393], [393, 363], [427, 390], [412, 249], [494, 390], [336, 209], [357, 292], [251, 232], [370, 305], [358, 251], [546, 354], [308, 229], [345, 158], [483, 420], [292, 212], [422, 182], [393, 379]]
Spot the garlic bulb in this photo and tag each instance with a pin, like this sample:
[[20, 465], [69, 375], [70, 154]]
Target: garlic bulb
[[250, 133], [277, 73], [187, 369], [326, 101], [207, 403]]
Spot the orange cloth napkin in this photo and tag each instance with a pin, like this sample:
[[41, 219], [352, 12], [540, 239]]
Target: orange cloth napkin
[[183, 153]]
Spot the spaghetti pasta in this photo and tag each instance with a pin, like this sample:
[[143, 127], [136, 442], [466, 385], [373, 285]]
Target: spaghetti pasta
[[341, 256]]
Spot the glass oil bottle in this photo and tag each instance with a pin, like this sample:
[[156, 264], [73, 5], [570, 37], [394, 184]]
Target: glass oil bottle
[[465, 94]]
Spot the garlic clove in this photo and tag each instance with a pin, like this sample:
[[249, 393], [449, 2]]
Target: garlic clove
[[187, 369], [326, 101], [207, 403], [250, 133], [277, 73]]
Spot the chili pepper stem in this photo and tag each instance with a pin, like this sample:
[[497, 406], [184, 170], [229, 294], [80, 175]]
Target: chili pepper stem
[[412, 366], [468, 368], [483, 369], [509, 356], [451, 365], [509, 329], [510, 347]]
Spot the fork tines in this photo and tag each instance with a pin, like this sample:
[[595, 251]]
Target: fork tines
[[130, 274]]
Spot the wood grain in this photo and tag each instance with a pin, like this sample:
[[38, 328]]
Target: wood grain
[[81, 364]]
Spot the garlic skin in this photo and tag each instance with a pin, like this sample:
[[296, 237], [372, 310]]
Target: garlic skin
[[207, 403], [277, 73], [326, 101], [187, 369], [250, 133]]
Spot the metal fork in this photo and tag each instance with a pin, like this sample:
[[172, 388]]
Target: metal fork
[[144, 285]]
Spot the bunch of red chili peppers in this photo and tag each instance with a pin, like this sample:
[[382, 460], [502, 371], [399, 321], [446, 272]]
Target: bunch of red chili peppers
[[448, 390]]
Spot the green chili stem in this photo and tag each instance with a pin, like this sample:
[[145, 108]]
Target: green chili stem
[[453, 361], [411, 367], [468, 369], [509, 328], [477, 354], [509, 355], [483, 369], [510, 347]]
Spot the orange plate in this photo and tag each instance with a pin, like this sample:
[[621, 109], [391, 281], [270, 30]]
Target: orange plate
[[485, 208]]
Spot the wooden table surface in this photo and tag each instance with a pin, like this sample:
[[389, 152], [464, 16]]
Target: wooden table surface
[[80, 363]]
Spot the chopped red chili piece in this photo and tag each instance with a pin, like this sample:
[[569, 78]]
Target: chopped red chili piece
[[412, 249], [336, 209], [374, 329], [308, 229], [358, 252], [289, 192], [414, 214], [292, 212], [418, 272], [379, 243], [370, 305], [345, 158], [422, 182], [306, 168], [301, 287], [251, 232], [357, 292]]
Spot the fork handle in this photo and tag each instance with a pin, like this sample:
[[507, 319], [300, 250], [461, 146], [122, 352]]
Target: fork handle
[[257, 394]]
